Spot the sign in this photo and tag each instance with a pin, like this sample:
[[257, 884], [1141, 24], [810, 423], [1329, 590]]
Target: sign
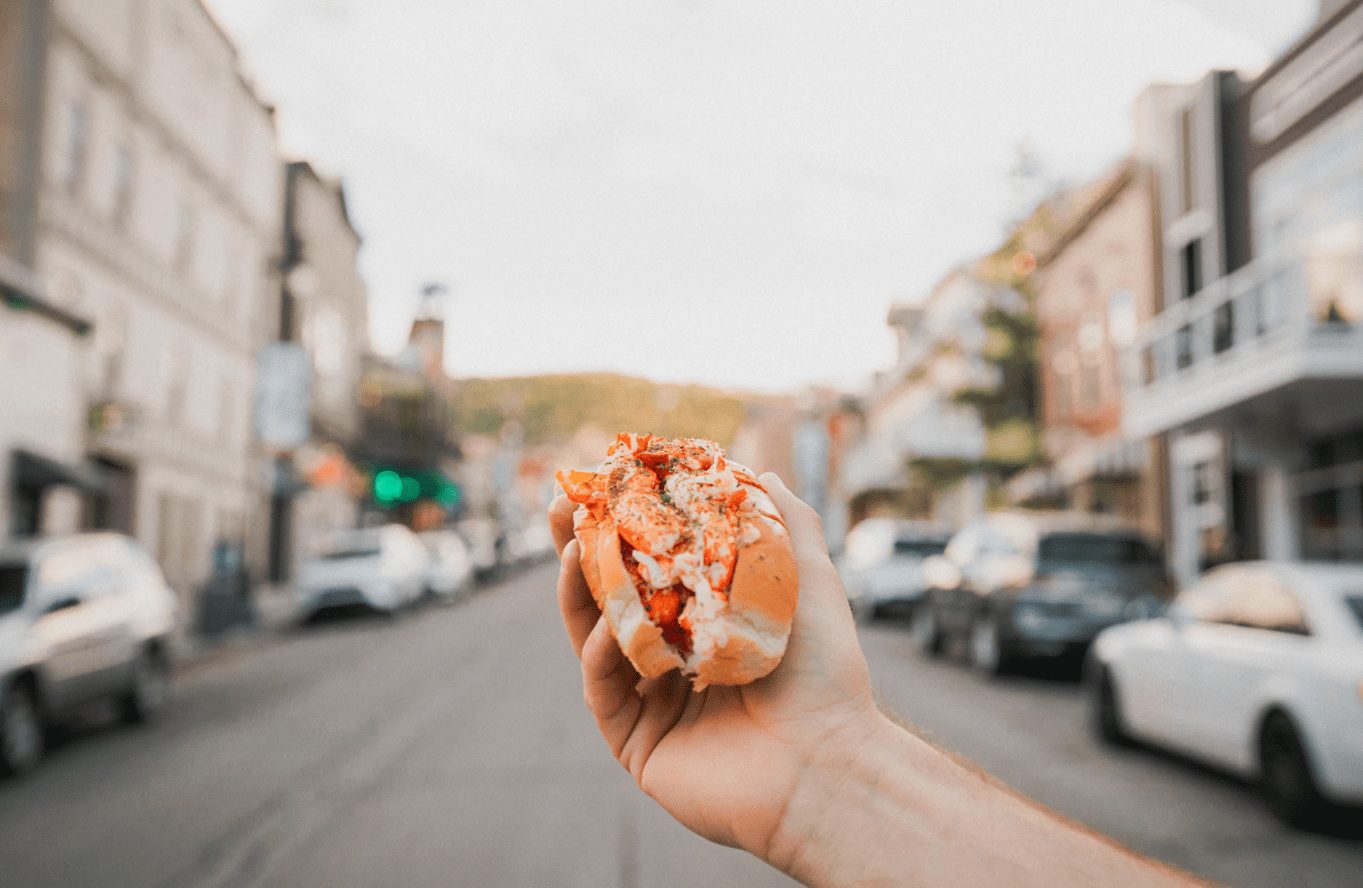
[[283, 389]]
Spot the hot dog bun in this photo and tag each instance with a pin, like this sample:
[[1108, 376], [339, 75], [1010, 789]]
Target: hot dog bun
[[688, 559]]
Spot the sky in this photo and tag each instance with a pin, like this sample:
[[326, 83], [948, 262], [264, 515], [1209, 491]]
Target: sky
[[730, 192]]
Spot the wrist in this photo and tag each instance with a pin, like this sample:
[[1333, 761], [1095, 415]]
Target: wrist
[[832, 804]]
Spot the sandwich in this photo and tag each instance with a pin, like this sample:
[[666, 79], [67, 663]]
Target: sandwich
[[687, 557]]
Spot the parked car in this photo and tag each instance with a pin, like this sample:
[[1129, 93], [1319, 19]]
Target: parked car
[[82, 618], [450, 576], [1257, 668], [882, 564], [383, 568], [484, 541], [1027, 585], [531, 544]]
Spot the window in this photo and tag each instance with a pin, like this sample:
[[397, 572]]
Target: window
[[13, 578], [77, 145], [1187, 183], [918, 547], [1093, 548], [125, 171], [185, 224], [1355, 605], [1090, 385], [1190, 264], [1223, 327], [1183, 347], [1121, 317]]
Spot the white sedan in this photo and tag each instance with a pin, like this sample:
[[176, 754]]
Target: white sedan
[[1256, 668], [383, 568]]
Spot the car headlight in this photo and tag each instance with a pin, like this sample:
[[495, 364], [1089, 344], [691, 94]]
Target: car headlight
[[1027, 615]]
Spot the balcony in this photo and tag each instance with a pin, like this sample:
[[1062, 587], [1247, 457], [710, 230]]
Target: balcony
[[1271, 324]]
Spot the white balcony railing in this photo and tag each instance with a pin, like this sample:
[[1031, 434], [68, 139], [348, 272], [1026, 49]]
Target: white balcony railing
[[1271, 323]]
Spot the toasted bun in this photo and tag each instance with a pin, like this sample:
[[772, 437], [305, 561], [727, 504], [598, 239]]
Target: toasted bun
[[734, 642]]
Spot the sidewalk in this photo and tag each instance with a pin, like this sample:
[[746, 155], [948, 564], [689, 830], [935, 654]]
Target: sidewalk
[[275, 611]]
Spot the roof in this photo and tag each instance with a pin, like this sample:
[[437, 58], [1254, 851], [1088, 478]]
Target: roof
[[1083, 205]]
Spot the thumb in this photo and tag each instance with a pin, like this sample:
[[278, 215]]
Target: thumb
[[804, 524]]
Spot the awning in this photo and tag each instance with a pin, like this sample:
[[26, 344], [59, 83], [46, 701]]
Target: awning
[[21, 291], [35, 470]]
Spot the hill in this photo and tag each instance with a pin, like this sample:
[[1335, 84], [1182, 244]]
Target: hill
[[552, 408]]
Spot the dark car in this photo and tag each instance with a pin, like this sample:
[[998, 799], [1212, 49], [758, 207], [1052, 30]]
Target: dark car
[[1016, 586]]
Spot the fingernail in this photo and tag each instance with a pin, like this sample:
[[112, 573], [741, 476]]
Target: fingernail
[[770, 478]]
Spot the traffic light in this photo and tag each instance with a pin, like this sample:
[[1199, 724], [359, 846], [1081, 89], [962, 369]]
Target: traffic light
[[392, 486]]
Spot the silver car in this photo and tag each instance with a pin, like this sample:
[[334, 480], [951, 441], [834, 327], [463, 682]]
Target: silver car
[[82, 618], [882, 564]]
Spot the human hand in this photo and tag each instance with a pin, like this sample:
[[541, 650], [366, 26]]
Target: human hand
[[727, 761]]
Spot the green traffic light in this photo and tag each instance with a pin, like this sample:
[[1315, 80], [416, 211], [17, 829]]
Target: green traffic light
[[447, 494], [388, 486], [411, 490]]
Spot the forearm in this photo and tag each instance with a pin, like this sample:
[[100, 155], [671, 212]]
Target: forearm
[[889, 809]]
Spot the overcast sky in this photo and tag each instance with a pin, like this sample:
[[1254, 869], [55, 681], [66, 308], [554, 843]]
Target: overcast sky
[[700, 190]]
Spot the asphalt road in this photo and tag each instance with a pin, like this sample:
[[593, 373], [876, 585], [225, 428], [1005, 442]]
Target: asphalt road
[[450, 747]]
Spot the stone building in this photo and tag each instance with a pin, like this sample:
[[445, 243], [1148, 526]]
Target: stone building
[[153, 209], [1253, 366], [1095, 281]]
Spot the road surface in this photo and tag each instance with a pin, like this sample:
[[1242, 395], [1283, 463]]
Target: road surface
[[450, 747]]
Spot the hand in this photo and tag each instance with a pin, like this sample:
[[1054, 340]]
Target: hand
[[727, 761]]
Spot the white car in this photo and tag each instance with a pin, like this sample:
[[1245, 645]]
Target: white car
[[82, 618], [882, 564], [482, 536], [450, 576], [1257, 668], [384, 568]]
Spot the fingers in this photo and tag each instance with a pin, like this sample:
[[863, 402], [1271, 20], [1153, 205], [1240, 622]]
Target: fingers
[[561, 520], [664, 699], [574, 598], [608, 681]]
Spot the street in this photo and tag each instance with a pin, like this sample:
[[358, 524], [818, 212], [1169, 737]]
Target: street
[[451, 747]]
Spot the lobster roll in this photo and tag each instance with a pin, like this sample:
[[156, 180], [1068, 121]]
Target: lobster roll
[[687, 557]]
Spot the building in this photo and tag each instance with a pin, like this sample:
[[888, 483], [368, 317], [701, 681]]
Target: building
[[323, 312], [924, 444], [150, 205], [1253, 367], [407, 448], [45, 480], [1096, 279]]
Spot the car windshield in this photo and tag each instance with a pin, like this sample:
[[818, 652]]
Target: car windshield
[[353, 547], [919, 547], [1355, 603], [1094, 548], [12, 580]]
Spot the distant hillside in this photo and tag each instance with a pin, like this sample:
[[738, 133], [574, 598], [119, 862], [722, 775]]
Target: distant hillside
[[552, 408]]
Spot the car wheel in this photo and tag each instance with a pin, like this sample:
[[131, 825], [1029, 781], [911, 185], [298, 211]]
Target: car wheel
[[149, 689], [926, 633], [1285, 776], [987, 651], [21, 732], [1105, 710]]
